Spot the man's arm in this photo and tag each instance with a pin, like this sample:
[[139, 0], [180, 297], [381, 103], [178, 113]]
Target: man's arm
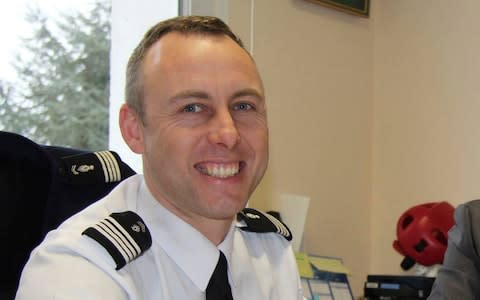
[[459, 276], [63, 275]]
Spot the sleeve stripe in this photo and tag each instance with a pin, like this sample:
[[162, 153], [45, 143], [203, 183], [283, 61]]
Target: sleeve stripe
[[105, 173], [104, 240], [111, 169], [124, 236], [120, 242], [133, 244], [115, 169], [114, 242], [280, 227]]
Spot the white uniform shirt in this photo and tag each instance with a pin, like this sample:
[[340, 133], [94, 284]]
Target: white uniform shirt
[[69, 265]]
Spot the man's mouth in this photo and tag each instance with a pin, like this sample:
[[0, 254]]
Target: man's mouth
[[220, 170]]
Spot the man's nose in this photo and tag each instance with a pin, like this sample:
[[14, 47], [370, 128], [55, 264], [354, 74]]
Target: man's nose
[[224, 130]]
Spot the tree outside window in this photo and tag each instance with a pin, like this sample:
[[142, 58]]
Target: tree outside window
[[60, 96]]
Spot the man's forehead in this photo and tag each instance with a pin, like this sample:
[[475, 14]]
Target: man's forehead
[[176, 45], [184, 59]]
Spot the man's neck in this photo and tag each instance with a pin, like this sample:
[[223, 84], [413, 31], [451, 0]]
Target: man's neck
[[215, 230]]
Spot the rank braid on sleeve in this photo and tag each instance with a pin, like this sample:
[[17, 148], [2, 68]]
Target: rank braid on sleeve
[[124, 236], [261, 222]]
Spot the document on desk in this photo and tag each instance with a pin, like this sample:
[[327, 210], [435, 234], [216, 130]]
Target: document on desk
[[304, 267], [323, 278], [320, 289], [329, 264], [341, 291]]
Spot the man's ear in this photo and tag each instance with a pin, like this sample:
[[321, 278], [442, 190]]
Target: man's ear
[[132, 128]]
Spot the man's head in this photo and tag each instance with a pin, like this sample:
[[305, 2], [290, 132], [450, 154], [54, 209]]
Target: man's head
[[188, 25], [202, 126]]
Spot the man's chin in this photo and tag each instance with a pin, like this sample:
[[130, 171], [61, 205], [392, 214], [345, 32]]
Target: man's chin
[[227, 207]]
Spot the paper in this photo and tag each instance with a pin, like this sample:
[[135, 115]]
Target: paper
[[304, 267], [320, 287], [323, 278], [328, 264], [340, 291], [293, 209], [307, 295]]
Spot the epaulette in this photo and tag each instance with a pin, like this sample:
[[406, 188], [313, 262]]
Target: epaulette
[[91, 167], [258, 221], [124, 235]]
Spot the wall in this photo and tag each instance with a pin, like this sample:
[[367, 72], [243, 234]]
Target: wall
[[426, 133], [317, 69]]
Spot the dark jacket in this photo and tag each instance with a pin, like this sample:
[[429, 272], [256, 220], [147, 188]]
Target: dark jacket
[[459, 276], [40, 187]]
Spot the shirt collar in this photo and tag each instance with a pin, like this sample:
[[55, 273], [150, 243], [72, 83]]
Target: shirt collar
[[186, 246]]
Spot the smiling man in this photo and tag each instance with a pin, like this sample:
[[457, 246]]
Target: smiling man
[[195, 110]]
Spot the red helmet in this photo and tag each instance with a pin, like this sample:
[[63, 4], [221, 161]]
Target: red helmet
[[422, 233]]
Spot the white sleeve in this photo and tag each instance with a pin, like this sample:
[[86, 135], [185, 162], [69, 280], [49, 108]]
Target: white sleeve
[[64, 275]]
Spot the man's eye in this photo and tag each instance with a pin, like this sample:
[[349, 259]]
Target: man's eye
[[193, 108], [243, 106]]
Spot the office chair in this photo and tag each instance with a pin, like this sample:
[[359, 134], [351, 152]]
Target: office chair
[[40, 187]]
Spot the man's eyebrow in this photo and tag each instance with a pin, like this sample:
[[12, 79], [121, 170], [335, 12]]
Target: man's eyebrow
[[190, 94], [248, 92], [198, 94]]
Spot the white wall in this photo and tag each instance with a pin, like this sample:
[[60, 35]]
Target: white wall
[[426, 133]]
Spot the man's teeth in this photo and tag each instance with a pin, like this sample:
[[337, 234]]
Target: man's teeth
[[221, 171]]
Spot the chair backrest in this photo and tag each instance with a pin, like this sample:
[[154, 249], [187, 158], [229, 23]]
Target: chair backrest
[[40, 187]]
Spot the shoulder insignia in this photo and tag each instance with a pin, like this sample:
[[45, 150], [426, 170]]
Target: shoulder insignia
[[92, 167], [258, 221], [124, 235]]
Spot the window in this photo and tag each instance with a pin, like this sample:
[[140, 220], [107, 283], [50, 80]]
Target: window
[[62, 69], [54, 84]]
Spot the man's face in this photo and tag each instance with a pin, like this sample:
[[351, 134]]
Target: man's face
[[205, 136]]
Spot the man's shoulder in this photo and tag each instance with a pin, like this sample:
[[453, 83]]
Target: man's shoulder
[[467, 213], [115, 201], [466, 216], [69, 235], [473, 207], [252, 220]]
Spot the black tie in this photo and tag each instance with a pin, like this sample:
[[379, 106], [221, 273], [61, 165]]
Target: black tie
[[218, 287]]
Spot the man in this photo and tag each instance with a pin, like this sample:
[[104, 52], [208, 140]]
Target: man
[[196, 112], [459, 276]]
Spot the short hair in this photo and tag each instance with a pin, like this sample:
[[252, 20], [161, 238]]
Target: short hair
[[199, 25]]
